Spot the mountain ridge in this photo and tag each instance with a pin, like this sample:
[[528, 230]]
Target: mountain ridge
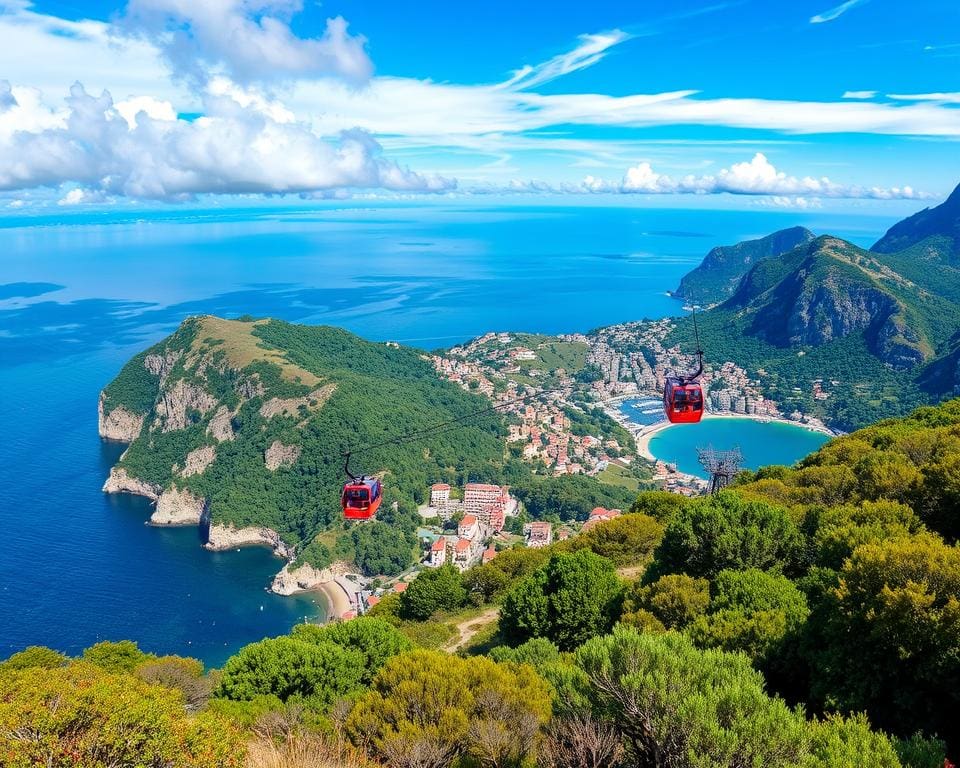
[[718, 275]]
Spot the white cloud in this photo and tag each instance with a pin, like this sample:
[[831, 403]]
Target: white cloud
[[942, 98], [755, 177], [859, 94], [16, 204], [79, 196], [232, 149], [248, 40], [784, 201], [592, 49], [835, 13]]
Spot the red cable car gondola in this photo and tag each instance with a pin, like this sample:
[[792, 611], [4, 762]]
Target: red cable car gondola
[[361, 496], [683, 395]]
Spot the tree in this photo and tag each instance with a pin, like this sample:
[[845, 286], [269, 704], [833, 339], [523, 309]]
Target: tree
[[661, 505], [122, 656], [839, 742], [678, 706], [181, 674], [436, 589], [625, 540], [485, 582], [426, 708], [726, 531], [317, 673], [580, 741], [538, 653], [376, 639], [381, 549], [83, 716], [751, 611], [570, 599], [840, 530], [890, 636], [34, 656], [673, 601]]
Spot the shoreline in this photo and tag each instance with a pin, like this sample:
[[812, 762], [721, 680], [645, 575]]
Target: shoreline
[[645, 433], [337, 599]]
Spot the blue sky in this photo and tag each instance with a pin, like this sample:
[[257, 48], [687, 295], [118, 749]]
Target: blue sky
[[799, 104]]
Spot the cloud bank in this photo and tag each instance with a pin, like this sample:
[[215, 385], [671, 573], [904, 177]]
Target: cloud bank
[[755, 177], [107, 149], [248, 40]]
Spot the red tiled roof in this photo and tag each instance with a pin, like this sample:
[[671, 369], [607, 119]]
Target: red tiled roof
[[372, 600], [463, 545], [401, 586], [439, 545], [440, 487], [468, 520]]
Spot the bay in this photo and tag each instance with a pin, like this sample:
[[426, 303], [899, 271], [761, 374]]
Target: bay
[[80, 293]]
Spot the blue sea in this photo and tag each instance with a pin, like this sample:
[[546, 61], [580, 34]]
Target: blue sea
[[81, 293]]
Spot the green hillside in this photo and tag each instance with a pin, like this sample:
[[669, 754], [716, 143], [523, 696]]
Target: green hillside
[[832, 311], [313, 390], [717, 276], [805, 617], [934, 230], [251, 417]]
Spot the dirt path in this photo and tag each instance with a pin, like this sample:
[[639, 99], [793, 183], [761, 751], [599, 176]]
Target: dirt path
[[468, 628]]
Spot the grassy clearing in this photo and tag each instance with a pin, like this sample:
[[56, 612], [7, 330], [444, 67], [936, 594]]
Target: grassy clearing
[[236, 339], [614, 474]]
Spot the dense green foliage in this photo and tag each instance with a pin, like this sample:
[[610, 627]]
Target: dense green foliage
[[725, 531], [437, 589], [570, 599], [717, 276], [377, 640], [316, 673], [625, 540], [569, 497], [83, 716]]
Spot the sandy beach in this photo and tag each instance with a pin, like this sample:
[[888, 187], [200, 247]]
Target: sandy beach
[[338, 599]]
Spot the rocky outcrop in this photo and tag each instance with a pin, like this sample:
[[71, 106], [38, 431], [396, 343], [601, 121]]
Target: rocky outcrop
[[120, 482], [177, 507], [222, 537], [161, 365], [290, 406], [197, 461], [178, 403], [118, 423], [280, 455], [305, 577], [220, 427]]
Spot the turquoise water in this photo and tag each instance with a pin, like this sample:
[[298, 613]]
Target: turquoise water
[[80, 294], [761, 443]]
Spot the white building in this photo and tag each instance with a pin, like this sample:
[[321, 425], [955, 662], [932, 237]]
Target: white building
[[439, 496], [438, 553], [538, 534]]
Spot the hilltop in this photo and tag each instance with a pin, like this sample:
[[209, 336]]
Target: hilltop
[[238, 426], [717, 276], [877, 330], [241, 424]]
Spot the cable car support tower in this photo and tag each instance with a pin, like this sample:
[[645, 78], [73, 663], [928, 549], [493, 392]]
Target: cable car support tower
[[723, 466]]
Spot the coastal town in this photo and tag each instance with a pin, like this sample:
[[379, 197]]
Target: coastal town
[[541, 383]]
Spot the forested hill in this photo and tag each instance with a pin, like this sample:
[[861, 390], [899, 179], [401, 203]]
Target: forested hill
[[251, 418], [717, 276], [882, 327], [936, 230]]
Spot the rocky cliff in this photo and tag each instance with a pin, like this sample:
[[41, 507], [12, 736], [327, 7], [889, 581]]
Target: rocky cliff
[[828, 290], [305, 577], [119, 423], [238, 426]]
